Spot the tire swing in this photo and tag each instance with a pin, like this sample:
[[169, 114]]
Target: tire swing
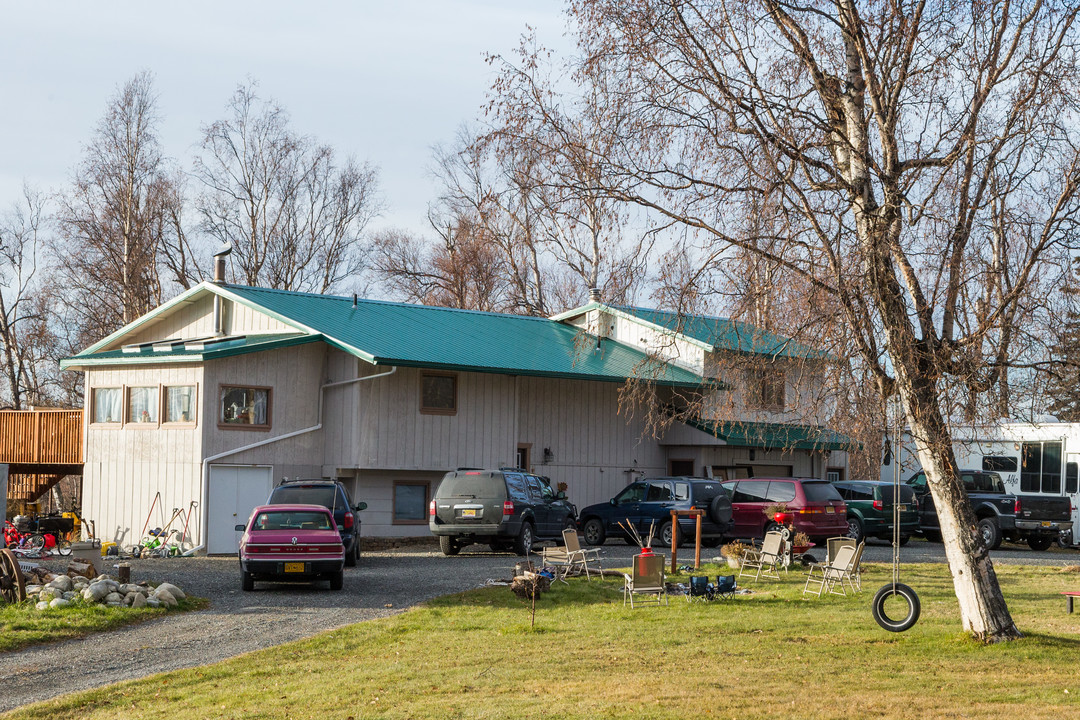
[[896, 588]]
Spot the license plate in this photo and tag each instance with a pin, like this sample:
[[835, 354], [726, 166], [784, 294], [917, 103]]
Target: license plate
[[294, 567], [903, 508], [1046, 523], [830, 509], [468, 513]]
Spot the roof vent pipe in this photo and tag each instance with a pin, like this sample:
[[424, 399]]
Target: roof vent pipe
[[354, 300], [594, 295], [219, 279]]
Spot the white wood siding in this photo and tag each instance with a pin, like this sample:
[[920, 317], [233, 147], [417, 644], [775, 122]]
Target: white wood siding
[[127, 466], [593, 445], [196, 319], [294, 376]]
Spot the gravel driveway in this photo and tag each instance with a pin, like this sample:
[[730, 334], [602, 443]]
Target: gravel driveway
[[385, 583]]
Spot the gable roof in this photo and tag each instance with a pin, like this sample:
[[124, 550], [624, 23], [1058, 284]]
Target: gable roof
[[711, 333], [388, 333]]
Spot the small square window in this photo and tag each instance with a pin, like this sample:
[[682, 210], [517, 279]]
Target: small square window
[[767, 389], [143, 405], [108, 405], [410, 502], [244, 407], [438, 394], [180, 404]]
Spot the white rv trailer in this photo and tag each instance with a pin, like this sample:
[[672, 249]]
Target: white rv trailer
[[1031, 458]]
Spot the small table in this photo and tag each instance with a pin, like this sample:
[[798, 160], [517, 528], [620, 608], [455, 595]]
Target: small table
[[1070, 595]]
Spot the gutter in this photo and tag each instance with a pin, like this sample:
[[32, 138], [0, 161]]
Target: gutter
[[268, 441]]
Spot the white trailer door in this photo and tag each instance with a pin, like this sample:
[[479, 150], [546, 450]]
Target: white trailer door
[[1072, 464], [235, 490]]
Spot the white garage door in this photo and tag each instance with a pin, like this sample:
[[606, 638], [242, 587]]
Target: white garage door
[[234, 492]]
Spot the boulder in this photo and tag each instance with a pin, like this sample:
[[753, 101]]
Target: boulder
[[114, 598], [165, 597], [71, 595], [139, 600], [63, 583], [48, 593], [33, 589], [176, 592], [96, 592], [153, 602], [128, 588], [58, 603], [130, 598], [42, 606]]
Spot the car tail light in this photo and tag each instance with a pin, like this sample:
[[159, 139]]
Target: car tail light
[[878, 505], [348, 520], [1016, 507], [508, 508], [431, 508]]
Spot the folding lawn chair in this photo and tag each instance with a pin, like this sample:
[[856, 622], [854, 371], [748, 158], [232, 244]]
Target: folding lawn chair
[[767, 559], [826, 577], [571, 557], [699, 589], [725, 587], [647, 579]]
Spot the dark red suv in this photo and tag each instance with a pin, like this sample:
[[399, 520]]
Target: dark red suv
[[812, 506]]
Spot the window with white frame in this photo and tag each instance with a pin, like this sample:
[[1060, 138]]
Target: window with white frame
[[410, 502]]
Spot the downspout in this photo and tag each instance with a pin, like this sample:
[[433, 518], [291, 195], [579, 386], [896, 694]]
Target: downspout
[[206, 461]]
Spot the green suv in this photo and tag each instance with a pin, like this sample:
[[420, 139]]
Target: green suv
[[505, 508], [870, 509]]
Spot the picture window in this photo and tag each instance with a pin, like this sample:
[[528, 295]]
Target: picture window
[[411, 502], [245, 407], [438, 394], [108, 405], [143, 405], [180, 404]]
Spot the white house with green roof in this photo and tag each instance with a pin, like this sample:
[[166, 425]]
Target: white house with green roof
[[220, 393]]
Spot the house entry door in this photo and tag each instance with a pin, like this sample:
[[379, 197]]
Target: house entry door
[[235, 490]]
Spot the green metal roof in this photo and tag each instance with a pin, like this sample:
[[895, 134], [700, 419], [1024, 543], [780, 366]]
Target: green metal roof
[[774, 435], [147, 355], [387, 333], [724, 333]]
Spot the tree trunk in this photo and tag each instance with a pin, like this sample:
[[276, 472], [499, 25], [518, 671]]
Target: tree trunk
[[983, 612]]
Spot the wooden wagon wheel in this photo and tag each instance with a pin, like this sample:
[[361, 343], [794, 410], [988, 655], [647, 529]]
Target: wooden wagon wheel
[[12, 587]]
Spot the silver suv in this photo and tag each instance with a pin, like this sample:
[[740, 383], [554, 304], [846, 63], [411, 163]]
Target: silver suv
[[504, 508]]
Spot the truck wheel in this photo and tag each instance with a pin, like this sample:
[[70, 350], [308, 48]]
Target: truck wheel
[[350, 559], [337, 580], [1039, 542], [932, 536], [909, 596], [593, 530], [448, 545], [990, 533], [904, 540], [247, 582], [524, 542]]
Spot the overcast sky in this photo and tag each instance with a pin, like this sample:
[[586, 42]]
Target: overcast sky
[[381, 80]]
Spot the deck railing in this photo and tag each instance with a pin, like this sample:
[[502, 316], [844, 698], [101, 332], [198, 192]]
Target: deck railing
[[47, 437]]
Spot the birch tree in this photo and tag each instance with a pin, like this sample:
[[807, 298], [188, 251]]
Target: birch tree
[[294, 213], [925, 160]]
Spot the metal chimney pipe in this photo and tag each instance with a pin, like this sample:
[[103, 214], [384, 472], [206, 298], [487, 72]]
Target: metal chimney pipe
[[594, 295]]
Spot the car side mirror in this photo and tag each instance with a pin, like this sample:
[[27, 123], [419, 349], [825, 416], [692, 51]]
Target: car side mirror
[[612, 501], [360, 506], [239, 528]]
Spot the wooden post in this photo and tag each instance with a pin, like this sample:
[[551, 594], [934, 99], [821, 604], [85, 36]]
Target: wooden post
[[694, 513]]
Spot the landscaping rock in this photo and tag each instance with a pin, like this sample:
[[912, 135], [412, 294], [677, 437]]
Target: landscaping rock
[[96, 592], [63, 583], [153, 602], [42, 606], [129, 588], [176, 592], [114, 598], [138, 601], [165, 597], [58, 603], [71, 595]]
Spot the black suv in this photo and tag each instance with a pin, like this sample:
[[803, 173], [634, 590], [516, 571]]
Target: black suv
[[650, 501], [332, 495], [503, 508]]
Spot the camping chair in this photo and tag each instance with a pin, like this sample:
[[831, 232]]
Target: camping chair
[[725, 587], [766, 559], [571, 556], [853, 575], [647, 579], [700, 589], [825, 577], [834, 545]]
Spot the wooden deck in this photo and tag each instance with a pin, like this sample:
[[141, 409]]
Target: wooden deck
[[40, 447]]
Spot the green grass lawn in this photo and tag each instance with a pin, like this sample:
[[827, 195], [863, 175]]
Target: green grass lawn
[[22, 625], [769, 654]]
